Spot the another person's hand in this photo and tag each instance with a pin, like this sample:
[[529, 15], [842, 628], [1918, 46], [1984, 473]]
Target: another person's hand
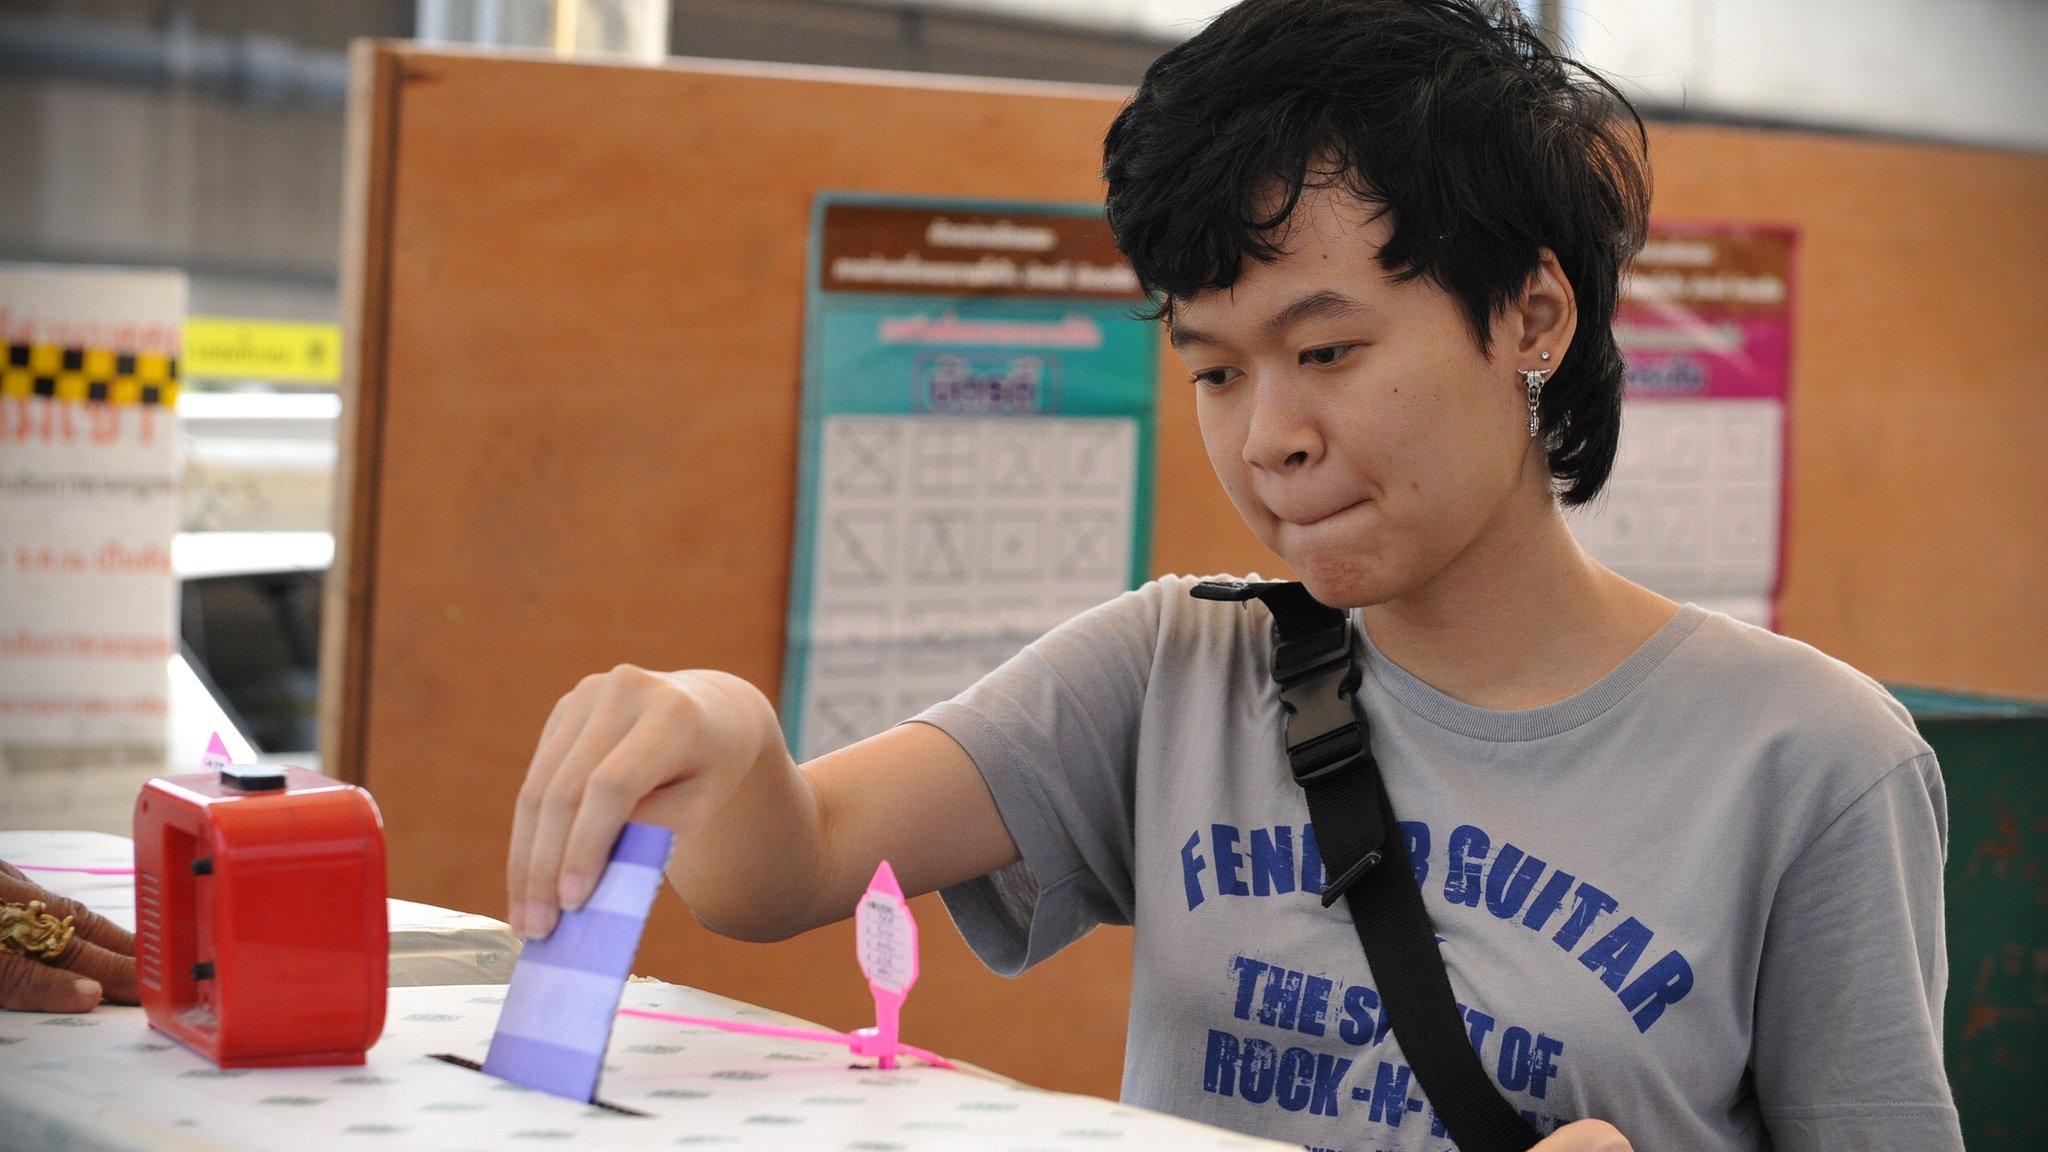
[[628, 744], [98, 961], [1585, 1136]]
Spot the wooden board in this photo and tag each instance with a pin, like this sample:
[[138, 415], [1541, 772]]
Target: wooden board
[[1919, 515], [574, 306]]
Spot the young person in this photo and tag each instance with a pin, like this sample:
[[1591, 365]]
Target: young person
[[1686, 873]]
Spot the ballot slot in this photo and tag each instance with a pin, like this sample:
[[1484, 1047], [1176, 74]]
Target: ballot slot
[[474, 1066]]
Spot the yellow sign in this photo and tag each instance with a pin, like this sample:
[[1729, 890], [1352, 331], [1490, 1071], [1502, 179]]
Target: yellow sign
[[226, 348]]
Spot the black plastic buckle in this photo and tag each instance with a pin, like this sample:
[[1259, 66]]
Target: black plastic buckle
[[1318, 677], [1297, 660], [1325, 754], [1231, 590]]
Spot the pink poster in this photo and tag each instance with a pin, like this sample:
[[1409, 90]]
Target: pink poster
[[1696, 506]]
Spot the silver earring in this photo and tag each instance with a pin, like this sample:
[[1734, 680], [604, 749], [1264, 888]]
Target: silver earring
[[1533, 381]]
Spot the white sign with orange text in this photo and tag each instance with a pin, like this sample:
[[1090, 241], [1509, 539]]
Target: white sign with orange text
[[89, 502]]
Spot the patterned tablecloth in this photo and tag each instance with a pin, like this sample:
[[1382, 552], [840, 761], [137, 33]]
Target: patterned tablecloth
[[104, 1081]]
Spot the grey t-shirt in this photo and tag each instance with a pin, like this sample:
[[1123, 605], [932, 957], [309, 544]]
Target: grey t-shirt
[[1700, 899]]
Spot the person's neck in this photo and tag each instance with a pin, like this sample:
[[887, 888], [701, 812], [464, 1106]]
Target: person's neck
[[1522, 618]]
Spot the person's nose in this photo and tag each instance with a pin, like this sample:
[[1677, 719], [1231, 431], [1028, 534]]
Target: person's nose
[[1283, 437]]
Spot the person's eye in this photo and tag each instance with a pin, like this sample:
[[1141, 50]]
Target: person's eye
[[1214, 379], [1326, 356]]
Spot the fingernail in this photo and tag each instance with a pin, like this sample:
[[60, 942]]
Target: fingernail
[[515, 917], [527, 918], [575, 890], [540, 920], [88, 989]]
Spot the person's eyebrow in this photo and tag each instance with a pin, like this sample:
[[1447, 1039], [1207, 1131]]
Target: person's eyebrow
[[1318, 305]]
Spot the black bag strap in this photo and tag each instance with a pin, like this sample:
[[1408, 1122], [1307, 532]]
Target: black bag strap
[[1330, 751]]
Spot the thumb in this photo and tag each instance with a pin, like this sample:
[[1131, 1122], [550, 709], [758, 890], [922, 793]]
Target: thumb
[[31, 986]]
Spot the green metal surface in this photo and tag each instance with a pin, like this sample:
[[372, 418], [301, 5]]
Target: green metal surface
[[1994, 759]]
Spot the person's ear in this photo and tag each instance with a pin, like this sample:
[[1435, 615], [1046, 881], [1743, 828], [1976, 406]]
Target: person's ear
[[1549, 313]]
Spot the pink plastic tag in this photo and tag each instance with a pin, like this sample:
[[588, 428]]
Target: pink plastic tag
[[885, 937]]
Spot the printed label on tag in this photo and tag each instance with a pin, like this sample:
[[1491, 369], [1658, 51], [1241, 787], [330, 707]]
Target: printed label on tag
[[885, 935]]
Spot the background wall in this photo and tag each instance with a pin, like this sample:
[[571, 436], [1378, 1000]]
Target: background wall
[[122, 148]]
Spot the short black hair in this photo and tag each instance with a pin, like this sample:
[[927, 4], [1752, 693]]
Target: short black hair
[[1485, 144]]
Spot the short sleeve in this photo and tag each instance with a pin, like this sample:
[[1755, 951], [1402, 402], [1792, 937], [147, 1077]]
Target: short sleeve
[[1054, 734], [1847, 1048]]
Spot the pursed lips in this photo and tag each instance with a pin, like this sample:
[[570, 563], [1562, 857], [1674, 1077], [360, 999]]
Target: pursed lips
[[1312, 521]]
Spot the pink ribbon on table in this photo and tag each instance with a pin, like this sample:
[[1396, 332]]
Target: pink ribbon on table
[[857, 1040]]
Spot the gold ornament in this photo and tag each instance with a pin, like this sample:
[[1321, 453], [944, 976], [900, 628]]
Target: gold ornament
[[30, 930]]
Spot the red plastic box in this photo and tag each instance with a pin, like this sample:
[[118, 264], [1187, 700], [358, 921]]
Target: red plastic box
[[261, 937]]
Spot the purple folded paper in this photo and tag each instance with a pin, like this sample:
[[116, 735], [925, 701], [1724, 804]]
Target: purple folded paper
[[565, 989]]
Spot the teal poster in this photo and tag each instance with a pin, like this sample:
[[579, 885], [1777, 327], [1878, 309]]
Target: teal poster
[[977, 450]]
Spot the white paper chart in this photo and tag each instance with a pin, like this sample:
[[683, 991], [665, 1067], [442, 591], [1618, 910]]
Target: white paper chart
[[1695, 508], [975, 465], [948, 543], [1692, 509]]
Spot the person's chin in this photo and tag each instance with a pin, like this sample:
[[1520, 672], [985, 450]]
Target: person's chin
[[1341, 577], [1342, 586], [1326, 558]]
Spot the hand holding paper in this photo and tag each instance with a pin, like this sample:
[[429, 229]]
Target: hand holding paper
[[565, 989]]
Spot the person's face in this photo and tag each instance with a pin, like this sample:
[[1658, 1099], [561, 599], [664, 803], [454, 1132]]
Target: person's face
[[1352, 420]]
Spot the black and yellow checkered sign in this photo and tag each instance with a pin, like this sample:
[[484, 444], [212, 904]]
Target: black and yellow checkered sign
[[98, 375]]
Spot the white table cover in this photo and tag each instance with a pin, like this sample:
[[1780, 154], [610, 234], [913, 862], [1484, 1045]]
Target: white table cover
[[105, 1082]]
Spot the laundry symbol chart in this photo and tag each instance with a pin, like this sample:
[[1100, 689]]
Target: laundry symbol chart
[[1090, 544], [974, 460], [862, 457], [1012, 543], [1022, 460], [1669, 450], [1100, 457], [1745, 441], [946, 455], [858, 545], [1692, 507], [945, 544], [936, 550]]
